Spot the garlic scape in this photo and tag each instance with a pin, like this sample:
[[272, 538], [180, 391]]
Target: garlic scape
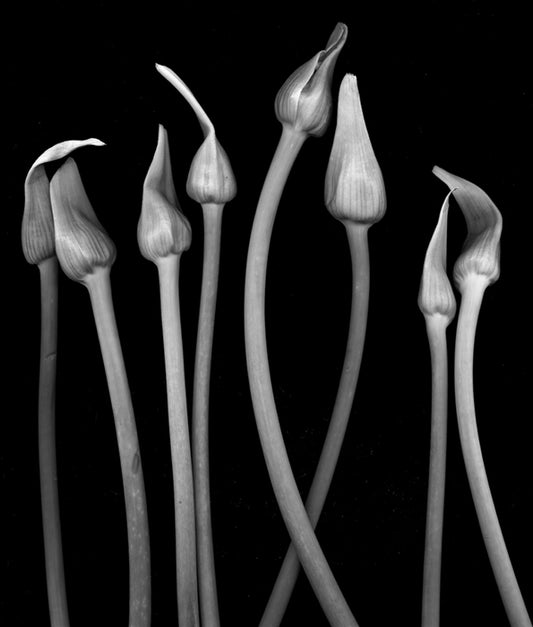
[[437, 302], [477, 267], [86, 253], [211, 183], [38, 246], [163, 234], [303, 106]]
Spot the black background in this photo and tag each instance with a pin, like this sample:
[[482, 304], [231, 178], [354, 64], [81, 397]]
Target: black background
[[441, 83]]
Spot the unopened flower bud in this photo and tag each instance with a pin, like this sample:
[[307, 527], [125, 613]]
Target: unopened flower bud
[[436, 294], [481, 250], [82, 244], [163, 229], [211, 179], [354, 188], [304, 100], [37, 223]]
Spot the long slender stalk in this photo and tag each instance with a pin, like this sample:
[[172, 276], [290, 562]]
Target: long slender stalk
[[187, 592], [288, 497], [436, 330], [358, 239], [99, 288], [212, 214], [472, 289], [55, 576]]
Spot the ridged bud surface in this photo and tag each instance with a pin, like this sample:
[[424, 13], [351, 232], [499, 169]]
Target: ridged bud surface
[[211, 179], [304, 100], [162, 229], [354, 188], [82, 244], [436, 293], [481, 250]]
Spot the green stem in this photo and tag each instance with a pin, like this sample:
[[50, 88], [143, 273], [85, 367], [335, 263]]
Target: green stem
[[99, 288], [472, 290], [436, 330], [288, 497], [186, 578], [200, 415], [55, 576], [358, 239]]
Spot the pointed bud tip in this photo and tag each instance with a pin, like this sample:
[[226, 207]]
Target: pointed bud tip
[[481, 249], [436, 295], [354, 188], [162, 229], [304, 100], [82, 244]]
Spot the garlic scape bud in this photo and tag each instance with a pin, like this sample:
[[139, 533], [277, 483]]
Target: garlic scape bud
[[82, 244], [163, 229], [304, 100], [354, 188], [436, 294], [37, 222], [211, 179], [481, 250]]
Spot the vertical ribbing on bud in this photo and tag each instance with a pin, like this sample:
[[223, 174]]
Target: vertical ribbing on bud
[[210, 179], [304, 100], [82, 244], [37, 222], [162, 229], [354, 188], [436, 294], [481, 250]]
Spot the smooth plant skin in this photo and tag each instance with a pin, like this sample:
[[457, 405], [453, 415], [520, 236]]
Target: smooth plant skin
[[476, 268], [437, 303], [39, 248], [86, 254], [210, 183], [299, 120], [163, 234]]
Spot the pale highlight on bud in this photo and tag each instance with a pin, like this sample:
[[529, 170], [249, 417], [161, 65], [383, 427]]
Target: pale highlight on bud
[[211, 179], [304, 100], [481, 250], [37, 222], [436, 294], [354, 187], [82, 244], [162, 229]]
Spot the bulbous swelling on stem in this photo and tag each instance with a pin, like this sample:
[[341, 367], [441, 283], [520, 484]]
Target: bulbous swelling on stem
[[162, 229], [354, 187], [82, 244], [37, 223], [436, 294], [304, 100], [211, 179], [481, 250]]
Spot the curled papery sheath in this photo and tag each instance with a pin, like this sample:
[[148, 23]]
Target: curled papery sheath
[[162, 229], [481, 250], [211, 179], [436, 294], [82, 245], [37, 222], [304, 100], [354, 188]]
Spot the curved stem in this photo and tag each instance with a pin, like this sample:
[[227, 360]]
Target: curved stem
[[288, 497], [436, 330], [472, 289], [187, 592], [358, 239], [55, 575], [99, 288], [200, 415]]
